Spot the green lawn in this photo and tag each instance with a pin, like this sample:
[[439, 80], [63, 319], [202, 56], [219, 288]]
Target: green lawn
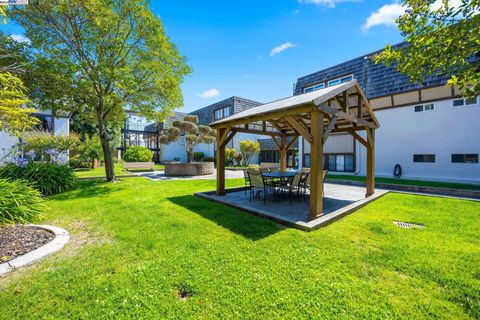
[[408, 182], [100, 171], [139, 245]]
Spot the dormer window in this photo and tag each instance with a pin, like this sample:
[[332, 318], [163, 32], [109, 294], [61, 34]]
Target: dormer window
[[221, 113]]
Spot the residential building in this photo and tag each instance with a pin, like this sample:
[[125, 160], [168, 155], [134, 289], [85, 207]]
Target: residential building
[[56, 125], [138, 131], [426, 128]]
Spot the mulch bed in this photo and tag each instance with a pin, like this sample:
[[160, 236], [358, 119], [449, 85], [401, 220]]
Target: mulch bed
[[17, 240]]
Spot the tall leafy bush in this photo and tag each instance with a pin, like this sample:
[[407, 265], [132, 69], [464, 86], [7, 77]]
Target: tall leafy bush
[[138, 154], [19, 203]]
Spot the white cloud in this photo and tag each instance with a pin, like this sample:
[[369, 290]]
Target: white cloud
[[210, 93], [325, 3], [386, 15], [19, 38], [281, 48]]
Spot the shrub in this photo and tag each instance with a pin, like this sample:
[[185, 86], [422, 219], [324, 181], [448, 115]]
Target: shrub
[[198, 156], [47, 147], [79, 161], [48, 178], [138, 154], [209, 159], [19, 203], [248, 149]]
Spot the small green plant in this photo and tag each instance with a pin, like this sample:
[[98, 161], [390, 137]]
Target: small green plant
[[19, 202], [209, 159], [138, 154], [48, 178], [229, 155], [79, 161], [198, 156]]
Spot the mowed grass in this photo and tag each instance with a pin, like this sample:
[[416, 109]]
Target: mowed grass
[[151, 250], [100, 171]]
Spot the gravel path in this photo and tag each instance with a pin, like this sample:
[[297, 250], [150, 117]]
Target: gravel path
[[17, 240]]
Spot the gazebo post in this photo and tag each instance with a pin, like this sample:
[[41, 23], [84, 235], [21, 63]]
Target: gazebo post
[[283, 153], [316, 167], [220, 157], [370, 162]]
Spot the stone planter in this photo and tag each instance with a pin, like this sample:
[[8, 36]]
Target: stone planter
[[175, 169]]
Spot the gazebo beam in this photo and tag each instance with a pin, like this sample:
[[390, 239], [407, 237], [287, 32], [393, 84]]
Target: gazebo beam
[[220, 162], [316, 167], [283, 153], [300, 128]]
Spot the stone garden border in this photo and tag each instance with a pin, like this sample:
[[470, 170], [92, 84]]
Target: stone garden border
[[61, 238]]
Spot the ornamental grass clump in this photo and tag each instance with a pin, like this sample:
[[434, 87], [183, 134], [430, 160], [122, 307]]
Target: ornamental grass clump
[[48, 178], [19, 202]]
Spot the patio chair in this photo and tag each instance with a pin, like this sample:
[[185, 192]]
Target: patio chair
[[306, 184], [258, 183], [295, 186]]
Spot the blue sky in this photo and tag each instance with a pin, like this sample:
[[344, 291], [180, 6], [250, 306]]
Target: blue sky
[[230, 45]]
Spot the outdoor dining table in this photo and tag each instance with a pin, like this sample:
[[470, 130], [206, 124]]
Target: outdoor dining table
[[280, 174], [279, 179]]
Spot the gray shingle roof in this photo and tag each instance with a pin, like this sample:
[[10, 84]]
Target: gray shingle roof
[[236, 104], [268, 144], [375, 79]]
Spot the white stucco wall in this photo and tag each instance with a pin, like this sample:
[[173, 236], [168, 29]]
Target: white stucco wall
[[443, 132], [6, 143]]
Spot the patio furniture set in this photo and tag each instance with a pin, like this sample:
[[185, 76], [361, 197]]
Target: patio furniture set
[[281, 184]]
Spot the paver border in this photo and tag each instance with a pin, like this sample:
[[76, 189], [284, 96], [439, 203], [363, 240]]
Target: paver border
[[61, 238]]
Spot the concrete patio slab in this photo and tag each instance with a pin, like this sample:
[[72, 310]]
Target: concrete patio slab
[[339, 201]]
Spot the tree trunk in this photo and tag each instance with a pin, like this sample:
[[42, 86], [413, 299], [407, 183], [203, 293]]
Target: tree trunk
[[107, 152], [189, 156]]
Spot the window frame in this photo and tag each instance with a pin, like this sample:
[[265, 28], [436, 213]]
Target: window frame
[[222, 110], [423, 107], [315, 87], [465, 155], [464, 102], [425, 158]]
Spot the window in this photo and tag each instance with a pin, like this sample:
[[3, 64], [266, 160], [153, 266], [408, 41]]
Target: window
[[465, 158], [222, 113], [314, 88], [45, 124], [306, 160], [330, 83], [340, 80], [424, 107], [339, 162], [465, 102], [423, 158]]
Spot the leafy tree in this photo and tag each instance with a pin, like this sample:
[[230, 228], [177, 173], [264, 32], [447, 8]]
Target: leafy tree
[[229, 154], [440, 39], [100, 56], [248, 149], [90, 149], [189, 134], [14, 116]]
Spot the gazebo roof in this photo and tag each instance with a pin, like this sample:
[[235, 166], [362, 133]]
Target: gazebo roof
[[345, 102]]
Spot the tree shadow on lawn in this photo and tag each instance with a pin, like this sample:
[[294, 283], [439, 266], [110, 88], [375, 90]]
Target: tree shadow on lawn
[[86, 189], [237, 221]]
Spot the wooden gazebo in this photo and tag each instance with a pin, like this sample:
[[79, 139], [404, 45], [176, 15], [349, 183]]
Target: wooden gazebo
[[314, 116]]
